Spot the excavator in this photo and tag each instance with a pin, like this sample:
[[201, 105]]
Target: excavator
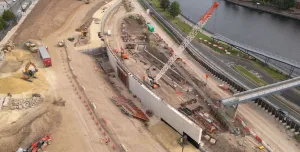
[[124, 54], [84, 32], [150, 79], [29, 72]]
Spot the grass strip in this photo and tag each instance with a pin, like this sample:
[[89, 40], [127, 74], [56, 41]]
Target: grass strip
[[250, 75]]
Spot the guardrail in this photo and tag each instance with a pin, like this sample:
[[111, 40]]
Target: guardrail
[[107, 13]]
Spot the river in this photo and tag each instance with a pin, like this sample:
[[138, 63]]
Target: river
[[272, 33]]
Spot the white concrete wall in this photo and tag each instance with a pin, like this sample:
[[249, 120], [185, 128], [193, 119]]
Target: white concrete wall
[[159, 107], [148, 98], [165, 111], [112, 59]]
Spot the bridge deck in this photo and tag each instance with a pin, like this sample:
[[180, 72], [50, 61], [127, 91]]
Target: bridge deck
[[256, 50], [261, 91]]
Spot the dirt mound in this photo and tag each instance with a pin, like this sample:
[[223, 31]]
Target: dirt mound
[[46, 17], [29, 127], [15, 85], [10, 66], [21, 55]]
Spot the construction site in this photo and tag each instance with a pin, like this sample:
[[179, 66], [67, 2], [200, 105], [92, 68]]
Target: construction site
[[103, 76]]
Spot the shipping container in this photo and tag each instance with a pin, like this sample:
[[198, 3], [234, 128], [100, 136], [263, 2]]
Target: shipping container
[[45, 56]]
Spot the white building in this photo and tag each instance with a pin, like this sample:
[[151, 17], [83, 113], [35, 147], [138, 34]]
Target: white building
[[4, 5]]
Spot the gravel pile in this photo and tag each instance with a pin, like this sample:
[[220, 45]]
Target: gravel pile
[[25, 103]]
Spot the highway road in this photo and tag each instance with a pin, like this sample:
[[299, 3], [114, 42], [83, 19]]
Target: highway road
[[206, 54]]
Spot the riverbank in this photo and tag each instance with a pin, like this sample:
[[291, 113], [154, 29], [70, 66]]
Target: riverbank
[[269, 9], [184, 24]]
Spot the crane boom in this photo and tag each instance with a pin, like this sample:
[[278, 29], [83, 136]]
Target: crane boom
[[187, 40]]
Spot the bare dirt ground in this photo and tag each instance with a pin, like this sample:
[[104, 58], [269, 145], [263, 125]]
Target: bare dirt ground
[[168, 137], [21, 127], [75, 132], [130, 132], [11, 73], [46, 17], [78, 131]]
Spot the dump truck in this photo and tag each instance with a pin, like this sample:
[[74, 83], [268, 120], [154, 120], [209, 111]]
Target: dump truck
[[45, 56], [31, 46]]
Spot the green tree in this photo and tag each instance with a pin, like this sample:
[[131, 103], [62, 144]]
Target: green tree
[[2, 23], [174, 9], [8, 15], [284, 4], [164, 4]]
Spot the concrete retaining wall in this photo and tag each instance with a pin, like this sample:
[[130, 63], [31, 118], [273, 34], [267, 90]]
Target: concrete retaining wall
[[160, 108], [165, 111], [112, 60]]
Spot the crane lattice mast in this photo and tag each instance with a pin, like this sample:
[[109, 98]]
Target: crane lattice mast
[[187, 41]]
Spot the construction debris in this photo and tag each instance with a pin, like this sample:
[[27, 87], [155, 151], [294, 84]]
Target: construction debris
[[128, 5], [24, 103], [212, 141], [207, 137], [129, 108], [149, 113], [59, 102], [130, 46], [85, 25], [8, 47]]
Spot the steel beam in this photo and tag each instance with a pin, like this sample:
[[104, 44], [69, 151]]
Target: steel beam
[[261, 92]]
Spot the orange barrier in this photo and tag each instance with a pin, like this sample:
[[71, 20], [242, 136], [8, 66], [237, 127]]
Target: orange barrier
[[104, 120]]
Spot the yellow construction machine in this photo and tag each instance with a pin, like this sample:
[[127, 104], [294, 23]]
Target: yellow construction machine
[[29, 72], [87, 1], [31, 46], [150, 78], [84, 32]]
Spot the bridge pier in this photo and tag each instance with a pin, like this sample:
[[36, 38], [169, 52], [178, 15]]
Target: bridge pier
[[291, 71], [267, 60], [231, 111]]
